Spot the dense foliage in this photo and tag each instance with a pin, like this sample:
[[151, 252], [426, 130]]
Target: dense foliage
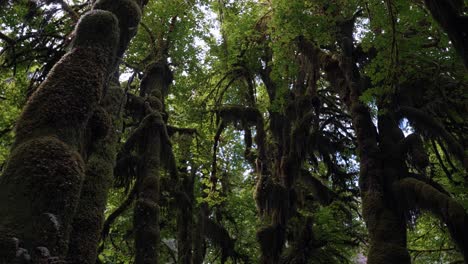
[[264, 113]]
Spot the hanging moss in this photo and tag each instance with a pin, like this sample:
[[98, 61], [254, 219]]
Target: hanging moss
[[237, 114], [273, 200], [221, 238], [321, 192], [413, 145], [303, 244], [426, 123]]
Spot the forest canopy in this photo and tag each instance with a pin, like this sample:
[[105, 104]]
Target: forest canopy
[[248, 131]]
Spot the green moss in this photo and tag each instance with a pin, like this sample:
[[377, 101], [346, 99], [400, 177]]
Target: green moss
[[89, 216], [146, 219], [66, 100], [387, 230], [155, 103], [99, 124], [113, 102], [413, 193], [41, 184], [43, 176], [128, 12], [97, 28]]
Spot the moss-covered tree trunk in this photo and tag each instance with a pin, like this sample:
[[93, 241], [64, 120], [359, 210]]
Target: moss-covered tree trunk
[[153, 147], [101, 145], [40, 188], [199, 232], [379, 167], [185, 202], [146, 214], [280, 161]]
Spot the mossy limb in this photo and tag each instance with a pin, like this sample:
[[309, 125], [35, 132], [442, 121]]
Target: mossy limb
[[413, 193], [128, 12], [97, 28], [65, 101]]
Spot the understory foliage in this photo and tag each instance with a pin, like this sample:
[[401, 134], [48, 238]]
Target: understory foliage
[[271, 131]]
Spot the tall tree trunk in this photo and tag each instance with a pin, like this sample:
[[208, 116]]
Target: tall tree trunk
[[185, 218], [378, 169], [153, 147], [146, 214], [102, 142], [199, 244], [41, 186]]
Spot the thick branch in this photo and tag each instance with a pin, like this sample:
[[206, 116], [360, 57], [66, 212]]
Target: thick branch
[[417, 194]]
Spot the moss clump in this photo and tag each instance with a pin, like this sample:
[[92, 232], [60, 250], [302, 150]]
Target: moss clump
[[128, 12], [238, 114], [43, 178], [99, 124], [155, 103], [65, 101], [387, 231], [97, 28], [113, 102]]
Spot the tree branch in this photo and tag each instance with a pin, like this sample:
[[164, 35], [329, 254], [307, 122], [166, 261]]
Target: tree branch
[[413, 193]]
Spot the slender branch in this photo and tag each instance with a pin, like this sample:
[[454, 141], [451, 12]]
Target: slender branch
[[431, 250], [74, 15], [119, 211], [441, 162], [7, 39], [5, 131], [151, 36]]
